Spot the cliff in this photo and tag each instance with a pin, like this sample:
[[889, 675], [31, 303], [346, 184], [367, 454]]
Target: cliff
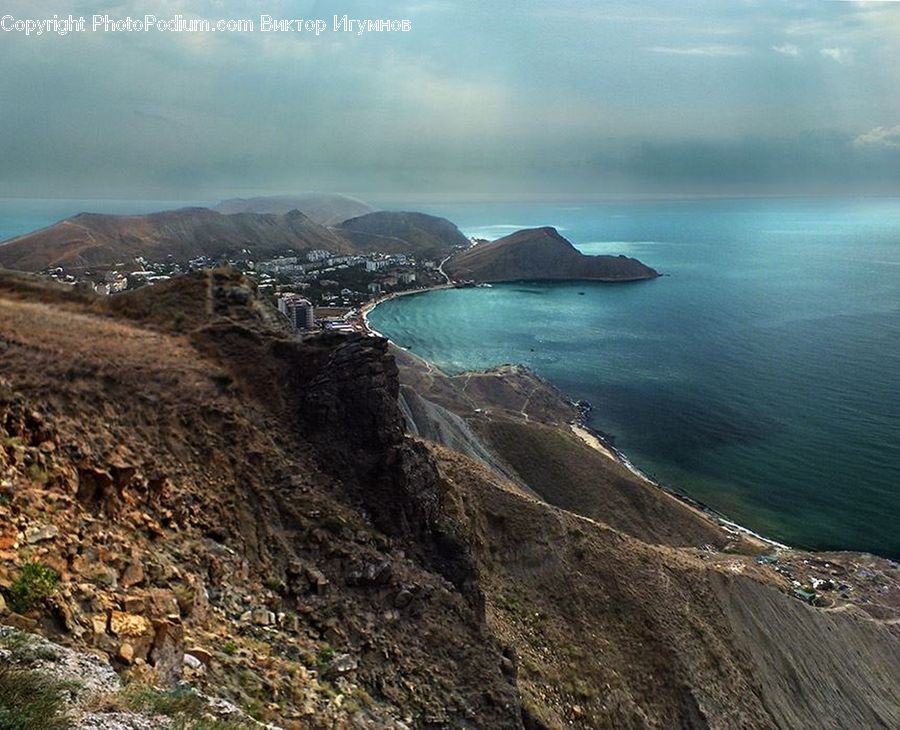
[[540, 254], [95, 240], [194, 496]]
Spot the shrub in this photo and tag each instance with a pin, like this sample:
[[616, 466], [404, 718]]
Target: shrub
[[230, 648], [29, 700], [325, 654], [177, 702], [36, 583]]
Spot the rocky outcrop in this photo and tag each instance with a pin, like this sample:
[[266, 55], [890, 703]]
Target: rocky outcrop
[[538, 254], [350, 409]]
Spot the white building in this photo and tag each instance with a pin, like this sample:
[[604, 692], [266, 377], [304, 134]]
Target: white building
[[298, 310]]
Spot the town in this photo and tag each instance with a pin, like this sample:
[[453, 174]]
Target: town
[[316, 289]]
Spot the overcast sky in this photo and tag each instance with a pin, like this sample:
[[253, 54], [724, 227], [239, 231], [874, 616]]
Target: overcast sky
[[480, 98]]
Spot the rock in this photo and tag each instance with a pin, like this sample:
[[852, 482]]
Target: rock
[[99, 623], [96, 489], [39, 533], [372, 574], [379, 573], [167, 654], [403, 598], [136, 629], [132, 575], [126, 653], [191, 661], [198, 609], [2, 605], [317, 580], [8, 541], [262, 617], [104, 576], [127, 624], [162, 602], [340, 665], [200, 654], [17, 621]]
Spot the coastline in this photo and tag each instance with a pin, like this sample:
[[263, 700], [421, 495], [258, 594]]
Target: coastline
[[366, 309], [592, 438], [600, 443]]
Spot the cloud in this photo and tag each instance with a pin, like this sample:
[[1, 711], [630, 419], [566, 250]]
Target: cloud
[[722, 51], [787, 49], [880, 137], [841, 55]]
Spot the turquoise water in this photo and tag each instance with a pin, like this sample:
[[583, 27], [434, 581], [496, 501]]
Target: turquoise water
[[760, 376]]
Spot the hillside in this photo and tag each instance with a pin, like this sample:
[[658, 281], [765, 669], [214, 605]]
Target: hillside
[[249, 514], [326, 209], [540, 254], [95, 240], [424, 236]]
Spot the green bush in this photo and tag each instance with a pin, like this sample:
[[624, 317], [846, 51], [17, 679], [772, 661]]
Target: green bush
[[325, 654], [36, 583], [29, 700], [181, 701]]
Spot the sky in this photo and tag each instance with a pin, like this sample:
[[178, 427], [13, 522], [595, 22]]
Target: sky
[[478, 100]]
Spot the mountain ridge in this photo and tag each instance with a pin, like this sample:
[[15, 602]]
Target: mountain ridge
[[326, 209]]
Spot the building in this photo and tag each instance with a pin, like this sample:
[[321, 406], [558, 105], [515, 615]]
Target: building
[[407, 277], [318, 254], [298, 310], [375, 287]]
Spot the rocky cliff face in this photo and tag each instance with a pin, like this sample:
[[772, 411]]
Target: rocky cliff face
[[237, 510]]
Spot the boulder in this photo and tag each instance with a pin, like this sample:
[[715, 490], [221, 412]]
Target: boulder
[[39, 533]]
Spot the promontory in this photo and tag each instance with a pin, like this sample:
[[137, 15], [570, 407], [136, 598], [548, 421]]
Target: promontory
[[540, 254]]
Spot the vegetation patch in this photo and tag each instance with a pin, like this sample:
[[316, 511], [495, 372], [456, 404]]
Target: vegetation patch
[[29, 700], [24, 649], [36, 583]]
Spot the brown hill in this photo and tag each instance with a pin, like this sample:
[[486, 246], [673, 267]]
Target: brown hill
[[424, 236], [203, 484], [95, 240], [327, 209], [537, 254]]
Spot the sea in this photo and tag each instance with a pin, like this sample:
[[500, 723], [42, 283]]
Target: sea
[[760, 375]]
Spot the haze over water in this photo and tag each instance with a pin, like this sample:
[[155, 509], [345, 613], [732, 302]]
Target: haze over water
[[761, 376]]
